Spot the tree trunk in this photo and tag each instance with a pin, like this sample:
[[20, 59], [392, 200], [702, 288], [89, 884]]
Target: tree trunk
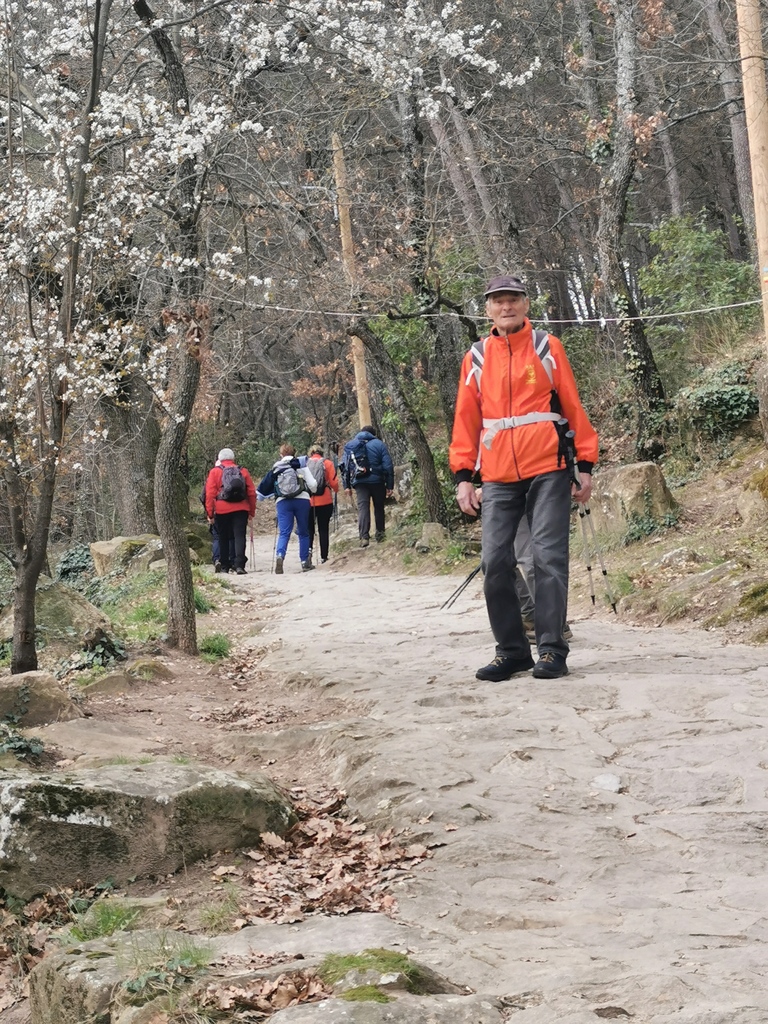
[[192, 323], [134, 434], [729, 74], [30, 529], [614, 187], [671, 177], [433, 494]]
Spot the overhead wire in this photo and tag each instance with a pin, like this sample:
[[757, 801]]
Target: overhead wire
[[601, 321]]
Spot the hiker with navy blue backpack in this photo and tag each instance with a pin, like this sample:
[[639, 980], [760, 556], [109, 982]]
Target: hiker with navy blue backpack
[[292, 485], [230, 501], [519, 420], [367, 469]]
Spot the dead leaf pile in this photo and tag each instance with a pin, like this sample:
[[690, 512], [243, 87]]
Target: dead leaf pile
[[267, 995], [24, 934], [326, 864]]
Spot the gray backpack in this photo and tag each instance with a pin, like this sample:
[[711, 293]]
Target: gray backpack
[[288, 483]]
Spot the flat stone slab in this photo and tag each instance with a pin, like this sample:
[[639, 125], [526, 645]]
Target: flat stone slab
[[102, 741], [127, 821]]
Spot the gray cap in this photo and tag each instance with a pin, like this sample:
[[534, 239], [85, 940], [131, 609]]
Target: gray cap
[[505, 283], [226, 453]]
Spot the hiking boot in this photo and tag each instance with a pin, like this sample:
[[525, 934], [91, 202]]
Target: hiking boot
[[306, 566], [279, 566], [240, 572], [503, 668], [567, 632], [323, 560], [217, 567], [550, 666], [380, 535], [364, 542]]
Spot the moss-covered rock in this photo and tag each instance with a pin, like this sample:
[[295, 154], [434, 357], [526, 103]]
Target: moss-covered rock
[[125, 821], [35, 698]]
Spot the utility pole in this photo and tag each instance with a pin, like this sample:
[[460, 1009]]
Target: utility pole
[[756, 111], [348, 256]]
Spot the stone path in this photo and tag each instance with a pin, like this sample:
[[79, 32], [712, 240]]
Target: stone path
[[599, 842]]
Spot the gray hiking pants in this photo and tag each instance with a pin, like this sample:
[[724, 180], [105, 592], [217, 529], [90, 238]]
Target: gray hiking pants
[[546, 502]]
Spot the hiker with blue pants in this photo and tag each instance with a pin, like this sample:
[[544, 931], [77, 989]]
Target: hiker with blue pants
[[367, 468], [292, 485]]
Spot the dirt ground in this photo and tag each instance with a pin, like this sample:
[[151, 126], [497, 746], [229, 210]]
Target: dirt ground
[[596, 843]]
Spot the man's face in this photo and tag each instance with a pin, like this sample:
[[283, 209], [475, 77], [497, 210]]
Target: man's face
[[508, 310]]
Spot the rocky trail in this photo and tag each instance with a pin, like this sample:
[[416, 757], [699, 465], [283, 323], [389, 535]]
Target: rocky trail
[[597, 843]]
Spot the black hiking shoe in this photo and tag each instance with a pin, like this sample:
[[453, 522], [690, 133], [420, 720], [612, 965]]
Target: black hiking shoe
[[278, 566], [503, 668], [550, 666], [306, 566], [217, 567], [364, 542], [380, 535], [240, 572]]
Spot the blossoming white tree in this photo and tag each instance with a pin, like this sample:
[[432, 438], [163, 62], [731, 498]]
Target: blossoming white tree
[[125, 125]]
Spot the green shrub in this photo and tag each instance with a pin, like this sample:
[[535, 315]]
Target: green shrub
[[692, 270], [719, 402], [215, 646]]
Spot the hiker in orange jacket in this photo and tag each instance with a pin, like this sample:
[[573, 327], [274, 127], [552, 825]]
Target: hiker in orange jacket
[[509, 423], [321, 504]]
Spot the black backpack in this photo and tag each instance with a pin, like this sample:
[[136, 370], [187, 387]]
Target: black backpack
[[358, 464], [232, 484], [317, 469]]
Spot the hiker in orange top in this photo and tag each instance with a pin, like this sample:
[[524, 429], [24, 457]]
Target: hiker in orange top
[[322, 500], [230, 501], [515, 391]]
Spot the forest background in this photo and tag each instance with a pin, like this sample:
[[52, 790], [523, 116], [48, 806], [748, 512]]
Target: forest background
[[173, 276]]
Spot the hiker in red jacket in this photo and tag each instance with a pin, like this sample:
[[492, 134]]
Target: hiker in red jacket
[[230, 501]]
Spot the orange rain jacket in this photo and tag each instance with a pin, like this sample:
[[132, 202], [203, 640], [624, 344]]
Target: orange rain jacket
[[514, 383]]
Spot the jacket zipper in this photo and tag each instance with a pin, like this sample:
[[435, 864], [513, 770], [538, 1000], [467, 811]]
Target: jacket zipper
[[511, 409]]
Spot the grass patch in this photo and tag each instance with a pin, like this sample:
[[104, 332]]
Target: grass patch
[[215, 646], [202, 603], [103, 918], [218, 916], [366, 994], [385, 961], [148, 612], [755, 601], [158, 970]]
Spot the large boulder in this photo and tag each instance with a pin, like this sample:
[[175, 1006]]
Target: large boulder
[[624, 493], [63, 619], [134, 554], [35, 698], [126, 821]]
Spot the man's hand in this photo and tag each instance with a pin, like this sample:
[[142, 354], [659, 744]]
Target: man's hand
[[467, 498], [581, 494], [390, 493]]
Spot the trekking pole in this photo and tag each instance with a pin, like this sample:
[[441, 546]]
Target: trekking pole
[[252, 549], [274, 547], [461, 587], [585, 547], [567, 437], [599, 554]]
